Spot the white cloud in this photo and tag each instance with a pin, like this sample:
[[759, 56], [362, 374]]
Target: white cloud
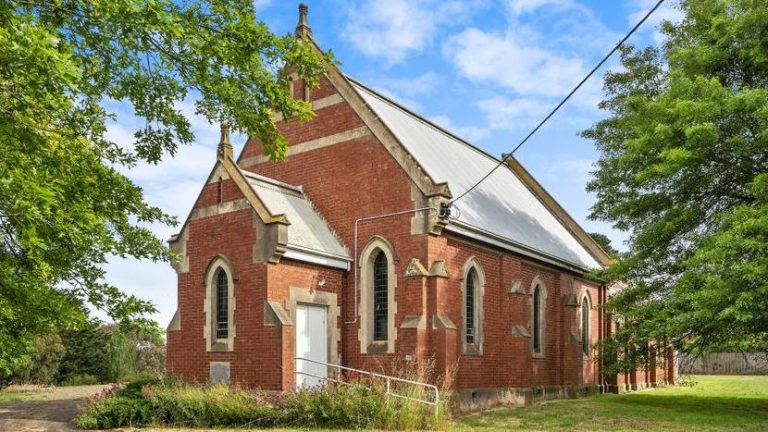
[[543, 51], [504, 113], [418, 85], [520, 7], [394, 29], [508, 60]]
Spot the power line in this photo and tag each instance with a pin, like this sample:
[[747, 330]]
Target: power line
[[575, 89]]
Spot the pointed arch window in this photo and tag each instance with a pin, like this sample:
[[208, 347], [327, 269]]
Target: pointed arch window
[[469, 304], [222, 309], [380, 297], [219, 306], [473, 286], [378, 307], [585, 330], [538, 319]]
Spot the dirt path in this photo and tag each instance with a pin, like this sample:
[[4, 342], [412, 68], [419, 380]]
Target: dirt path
[[55, 414]]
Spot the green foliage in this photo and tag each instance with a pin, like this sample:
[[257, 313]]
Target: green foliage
[[87, 353], [80, 379], [43, 367], [113, 412], [604, 243], [110, 354], [64, 205], [210, 406], [684, 154], [123, 355], [334, 406]]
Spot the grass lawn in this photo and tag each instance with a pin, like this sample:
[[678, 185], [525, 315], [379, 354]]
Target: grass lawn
[[22, 394], [714, 403]]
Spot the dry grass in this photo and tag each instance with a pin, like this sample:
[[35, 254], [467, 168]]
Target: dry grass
[[713, 404]]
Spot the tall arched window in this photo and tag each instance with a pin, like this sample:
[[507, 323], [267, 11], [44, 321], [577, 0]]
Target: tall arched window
[[377, 333], [220, 302], [473, 286], [469, 306], [222, 308], [585, 331], [380, 297], [538, 319]]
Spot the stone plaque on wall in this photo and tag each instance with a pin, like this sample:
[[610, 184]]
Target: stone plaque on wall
[[219, 372]]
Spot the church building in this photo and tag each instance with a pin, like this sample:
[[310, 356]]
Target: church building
[[351, 252]]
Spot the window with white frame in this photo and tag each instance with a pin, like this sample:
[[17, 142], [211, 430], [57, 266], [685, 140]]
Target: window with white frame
[[377, 308], [473, 287], [219, 329]]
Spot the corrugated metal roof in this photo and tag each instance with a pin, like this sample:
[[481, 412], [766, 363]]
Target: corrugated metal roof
[[502, 205], [307, 230]]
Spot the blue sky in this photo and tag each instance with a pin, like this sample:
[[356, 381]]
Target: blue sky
[[486, 70]]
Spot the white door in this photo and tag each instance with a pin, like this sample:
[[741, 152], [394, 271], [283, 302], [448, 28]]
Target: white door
[[311, 344]]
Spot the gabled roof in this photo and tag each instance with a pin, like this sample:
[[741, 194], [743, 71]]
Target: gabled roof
[[309, 237], [502, 210]]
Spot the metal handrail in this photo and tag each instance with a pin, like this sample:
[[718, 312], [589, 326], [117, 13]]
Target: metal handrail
[[388, 380]]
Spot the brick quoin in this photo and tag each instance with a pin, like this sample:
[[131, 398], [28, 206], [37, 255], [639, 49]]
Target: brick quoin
[[357, 178]]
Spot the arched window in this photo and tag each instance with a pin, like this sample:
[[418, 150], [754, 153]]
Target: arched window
[[585, 330], [219, 329], [380, 297], [378, 307], [220, 191], [469, 306], [222, 309], [538, 317], [473, 286]]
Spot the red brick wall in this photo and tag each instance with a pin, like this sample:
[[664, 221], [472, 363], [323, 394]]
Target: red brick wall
[[507, 360], [348, 181], [294, 274], [232, 236]]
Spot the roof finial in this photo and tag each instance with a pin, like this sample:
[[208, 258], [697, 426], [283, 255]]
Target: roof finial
[[302, 28], [225, 146]]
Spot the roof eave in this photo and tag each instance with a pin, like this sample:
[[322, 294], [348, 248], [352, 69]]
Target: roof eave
[[479, 234], [312, 256]]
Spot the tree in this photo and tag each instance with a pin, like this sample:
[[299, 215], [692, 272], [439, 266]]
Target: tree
[[604, 243], [64, 207], [684, 157]]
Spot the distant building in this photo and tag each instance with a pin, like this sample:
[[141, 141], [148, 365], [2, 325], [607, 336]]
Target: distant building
[[342, 254]]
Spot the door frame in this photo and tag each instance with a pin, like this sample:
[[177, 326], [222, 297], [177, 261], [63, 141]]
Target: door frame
[[332, 331], [309, 306]]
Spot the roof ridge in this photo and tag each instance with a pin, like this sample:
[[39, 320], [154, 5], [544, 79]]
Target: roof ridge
[[423, 119]]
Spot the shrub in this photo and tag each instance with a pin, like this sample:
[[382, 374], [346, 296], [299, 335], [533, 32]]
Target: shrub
[[44, 365], [358, 404], [214, 405], [116, 411], [80, 379]]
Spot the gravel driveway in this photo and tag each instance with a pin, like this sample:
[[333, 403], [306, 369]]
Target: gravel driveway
[[55, 414]]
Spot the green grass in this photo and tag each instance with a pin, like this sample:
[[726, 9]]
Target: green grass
[[714, 403], [23, 395]]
